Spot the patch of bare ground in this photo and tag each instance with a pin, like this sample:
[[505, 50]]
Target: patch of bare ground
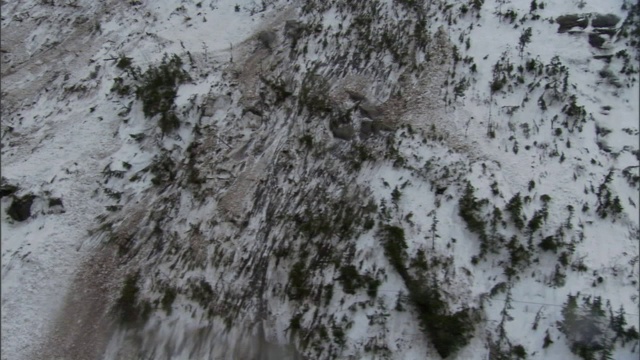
[[83, 326]]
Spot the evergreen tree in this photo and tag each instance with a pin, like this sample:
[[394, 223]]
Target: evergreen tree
[[514, 207]]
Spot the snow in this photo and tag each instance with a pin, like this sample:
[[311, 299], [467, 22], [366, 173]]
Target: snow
[[60, 143]]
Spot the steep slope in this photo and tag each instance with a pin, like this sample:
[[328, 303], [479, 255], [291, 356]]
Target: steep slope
[[320, 179]]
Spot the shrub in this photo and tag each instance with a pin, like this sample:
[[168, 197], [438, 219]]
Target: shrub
[[120, 88], [129, 308], [168, 298], [585, 328], [158, 89], [448, 332], [394, 246], [549, 244], [469, 208], [350, 279], [297, 289], [124, 62], [514, 208], [306, 141], [314, 95]]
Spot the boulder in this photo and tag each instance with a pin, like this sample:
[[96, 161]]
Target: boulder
[[293, 29], [379, 125], [6, 188], [596, 40], [605, 21], [371, 111], [55, 206], [20, 209], [356, 96], [343, 132], [568, 22], [366, 128], [267, 38]]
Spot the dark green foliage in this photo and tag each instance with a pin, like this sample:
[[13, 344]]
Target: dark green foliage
[[338, 336], [524, 40], [498, 83], [494, 189], [163, 169], [298, 287], [158, 89], [168, 122], [394, 246], [350, 279], [585, 328], [448, 332], [549, 243], [395, 195], [536, 221], [469, 208], [278, 85], [514, 208], [547, 340], [168, 298], [129, 308], [20, 208], [7, 188], [519, 352], [314, 224], [564, 258], [575, 113], [328, 293], [120, 88], [532, 185], [306, 141], [606, 204], [314, 95], [295, 323], [369, 223], [372, 286], [124, 62], [201, 292], [358, 154], [518, 254], [558, 277]]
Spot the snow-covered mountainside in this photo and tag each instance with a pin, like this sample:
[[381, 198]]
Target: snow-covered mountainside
[[320, 179]]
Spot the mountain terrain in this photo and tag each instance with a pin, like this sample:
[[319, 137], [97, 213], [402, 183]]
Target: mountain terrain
[[320, 179]]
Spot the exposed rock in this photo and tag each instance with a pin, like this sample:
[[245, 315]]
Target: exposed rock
[[6, 188], [208, 109], [371, 111], [55, 206], [605, 21], [253, 109], [596, 40], [366, 128], [20, 209], [606, 31], [55, 202], [379, 125], [606, 58], [344, 132], [568, 22], [356, 96], [267, 38], [293, 29]]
